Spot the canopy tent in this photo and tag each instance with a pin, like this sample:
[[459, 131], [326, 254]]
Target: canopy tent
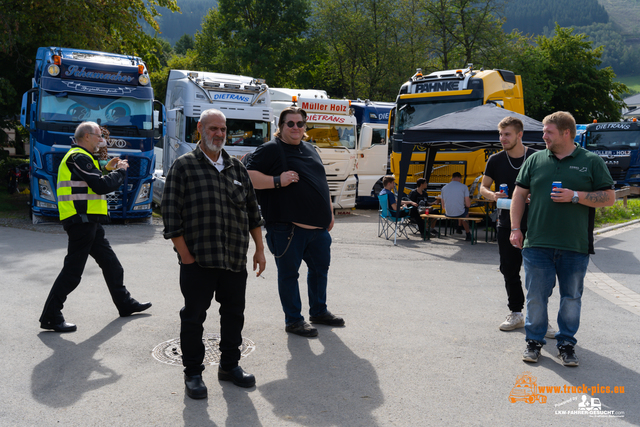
[[472, 129]]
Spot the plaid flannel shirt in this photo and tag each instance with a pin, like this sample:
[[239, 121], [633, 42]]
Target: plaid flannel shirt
[[214, 211]]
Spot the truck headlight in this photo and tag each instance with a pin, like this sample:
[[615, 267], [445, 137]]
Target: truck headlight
[[53, 70], [351, 187], [45, 190], [143, 194], [143, 79]]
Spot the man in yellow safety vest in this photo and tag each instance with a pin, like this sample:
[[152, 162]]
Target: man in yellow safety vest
[[83, 208]]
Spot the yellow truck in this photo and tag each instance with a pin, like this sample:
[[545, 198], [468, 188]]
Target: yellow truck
[[426, 97]]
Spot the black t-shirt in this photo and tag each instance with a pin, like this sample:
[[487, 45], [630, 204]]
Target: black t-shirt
[[504, 172], [307, 201], [416, 197]]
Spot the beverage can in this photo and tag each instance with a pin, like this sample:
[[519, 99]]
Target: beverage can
[[556, 184], [504, 188]]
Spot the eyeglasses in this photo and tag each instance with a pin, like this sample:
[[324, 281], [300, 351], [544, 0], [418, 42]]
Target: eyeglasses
[[100, 135], [299, 124]]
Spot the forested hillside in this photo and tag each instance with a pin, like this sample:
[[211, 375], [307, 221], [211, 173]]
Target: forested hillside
[[539, 16]]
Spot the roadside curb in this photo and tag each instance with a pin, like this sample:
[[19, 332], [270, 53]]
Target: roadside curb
[[614, 227]]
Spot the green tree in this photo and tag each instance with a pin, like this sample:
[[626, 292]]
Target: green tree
[[184, 44], [260, 38], [578, 85], [464, 31], [83, 24]]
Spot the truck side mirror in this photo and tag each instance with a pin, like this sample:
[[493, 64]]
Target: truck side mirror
[[172, 128], [25, 111], [159, 125], [366, 134]]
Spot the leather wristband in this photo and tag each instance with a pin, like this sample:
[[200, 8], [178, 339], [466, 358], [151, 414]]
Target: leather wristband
[[276, 182]]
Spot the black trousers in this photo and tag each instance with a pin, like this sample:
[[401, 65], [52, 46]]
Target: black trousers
[[85, 239], [415, 215], [198, 286], [510, 263]]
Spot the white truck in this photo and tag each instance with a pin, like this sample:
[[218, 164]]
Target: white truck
[[244, 101], [332, 130]]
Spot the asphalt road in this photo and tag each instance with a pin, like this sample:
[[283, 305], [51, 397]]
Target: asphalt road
[[421, 346]]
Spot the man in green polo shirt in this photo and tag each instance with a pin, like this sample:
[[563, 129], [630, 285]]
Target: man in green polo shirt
[[560, 230]]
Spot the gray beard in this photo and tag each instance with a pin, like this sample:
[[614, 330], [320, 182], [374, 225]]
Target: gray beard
[[211, 146]]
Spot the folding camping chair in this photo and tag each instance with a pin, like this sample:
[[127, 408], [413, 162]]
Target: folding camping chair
[[386, 220]]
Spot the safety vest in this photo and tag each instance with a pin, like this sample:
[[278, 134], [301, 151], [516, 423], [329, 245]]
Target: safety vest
[[69, 192]]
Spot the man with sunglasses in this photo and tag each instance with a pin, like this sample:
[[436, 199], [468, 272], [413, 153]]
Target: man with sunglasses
[[295, 201], [83, 208]]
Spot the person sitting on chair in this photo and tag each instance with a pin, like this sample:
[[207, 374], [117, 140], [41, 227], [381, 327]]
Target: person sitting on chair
[[389, 184], [420, 197], [456, 201]]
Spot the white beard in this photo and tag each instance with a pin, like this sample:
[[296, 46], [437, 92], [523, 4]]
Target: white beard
[[211, 146]]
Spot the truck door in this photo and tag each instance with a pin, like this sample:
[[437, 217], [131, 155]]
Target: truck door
[[372, 156]]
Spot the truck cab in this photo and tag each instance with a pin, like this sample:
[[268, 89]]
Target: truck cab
[[618, 144], [71, 86], [373, 151], [332, 130], [245, 102]]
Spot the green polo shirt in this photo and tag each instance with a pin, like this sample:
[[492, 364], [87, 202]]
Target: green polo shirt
[[565, 226]]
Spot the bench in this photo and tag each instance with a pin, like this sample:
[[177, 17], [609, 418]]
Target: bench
[[439, 217]]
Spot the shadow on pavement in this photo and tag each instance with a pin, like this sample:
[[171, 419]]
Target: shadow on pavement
[[61, 379], [334, 388]]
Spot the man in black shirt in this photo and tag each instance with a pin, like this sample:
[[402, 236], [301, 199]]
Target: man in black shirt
[[421, 199], [503, 168], [296, 205]]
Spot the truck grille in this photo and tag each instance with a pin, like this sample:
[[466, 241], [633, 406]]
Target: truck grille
[[138, 166]]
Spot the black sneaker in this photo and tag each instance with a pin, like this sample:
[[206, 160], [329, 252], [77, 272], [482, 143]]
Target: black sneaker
[[327, 319], [468, 238], [567, 355], [302, 328], [532, 353]]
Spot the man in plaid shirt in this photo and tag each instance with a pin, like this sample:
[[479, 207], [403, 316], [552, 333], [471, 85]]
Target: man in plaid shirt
[[209, 209]]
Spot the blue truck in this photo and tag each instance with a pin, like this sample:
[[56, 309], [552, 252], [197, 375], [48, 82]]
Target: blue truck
[[618, 144], [372, 157], [71, 86]]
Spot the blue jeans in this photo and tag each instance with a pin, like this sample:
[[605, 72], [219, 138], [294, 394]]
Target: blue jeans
[[541, 266], [312, 246]]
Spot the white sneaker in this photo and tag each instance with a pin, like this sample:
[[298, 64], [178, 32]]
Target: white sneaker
[[551, 333], [513, 321]]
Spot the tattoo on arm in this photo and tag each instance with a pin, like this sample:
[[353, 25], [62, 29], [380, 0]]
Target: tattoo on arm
[[597, 196]]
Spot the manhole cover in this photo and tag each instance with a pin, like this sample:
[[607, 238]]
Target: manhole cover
[[169, 351]]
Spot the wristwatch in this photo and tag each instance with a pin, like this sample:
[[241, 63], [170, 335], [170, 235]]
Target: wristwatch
[[575, 198]]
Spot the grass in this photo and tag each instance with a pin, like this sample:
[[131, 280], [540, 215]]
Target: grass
[[617, 214], [13, 205], [632, 82]]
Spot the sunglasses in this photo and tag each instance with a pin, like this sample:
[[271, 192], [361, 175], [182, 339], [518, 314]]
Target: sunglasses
[[299, 124]]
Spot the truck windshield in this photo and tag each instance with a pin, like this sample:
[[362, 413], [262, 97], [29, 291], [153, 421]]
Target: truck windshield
[[412, 114], [331, 136], [67, 107], [240, 133], [613, 140]]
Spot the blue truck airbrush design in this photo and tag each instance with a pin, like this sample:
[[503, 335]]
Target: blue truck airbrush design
[[71, 86]]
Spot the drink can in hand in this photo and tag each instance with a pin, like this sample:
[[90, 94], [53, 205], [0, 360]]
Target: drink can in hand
[[504, 188], [556, 184]]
